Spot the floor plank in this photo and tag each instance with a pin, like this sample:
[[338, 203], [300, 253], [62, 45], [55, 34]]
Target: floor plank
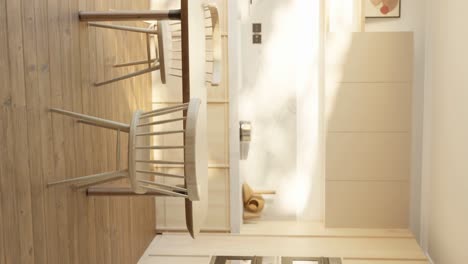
[[34, 121], [9, 217], [20, 129], [45, 132], [49, 59]]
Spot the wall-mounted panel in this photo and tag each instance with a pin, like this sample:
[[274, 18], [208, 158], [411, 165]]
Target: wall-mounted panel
[[348, 261], [368, 106], [368, 156], [367, 204], [176, 260], [217, 134], [368, 142], [370, 57]]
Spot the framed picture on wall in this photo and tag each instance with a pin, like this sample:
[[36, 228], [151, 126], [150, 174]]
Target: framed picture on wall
[[382, 8]]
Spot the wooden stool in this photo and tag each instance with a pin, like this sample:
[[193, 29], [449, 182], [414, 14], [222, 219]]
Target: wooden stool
[[139, 133], [154, 29]]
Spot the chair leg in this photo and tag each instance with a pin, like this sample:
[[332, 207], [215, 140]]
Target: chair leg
[[95, 177], [94, 120], [96, 182], [166, 192], [98, 125], [124, 28], [119, 191], [168, 187], [133, 74], [133, 63]]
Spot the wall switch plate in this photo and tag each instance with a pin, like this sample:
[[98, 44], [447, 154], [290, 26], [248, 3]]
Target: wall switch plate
[[256, 27], [257, 39]]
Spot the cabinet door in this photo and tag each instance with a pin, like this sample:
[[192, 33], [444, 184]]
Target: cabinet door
[[175, 260], [368, 141], [384, 262]]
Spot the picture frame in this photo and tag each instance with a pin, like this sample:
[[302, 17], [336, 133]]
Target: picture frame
[[382, 8]]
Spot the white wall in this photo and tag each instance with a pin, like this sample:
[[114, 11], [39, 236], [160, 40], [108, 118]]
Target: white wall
[[445, 182], [280, 96], [413, 18]]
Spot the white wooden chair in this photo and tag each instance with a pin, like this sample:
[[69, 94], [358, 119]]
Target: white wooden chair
[[140, 131], [155, 29], [212, 34], [216, 44], [192, 49]]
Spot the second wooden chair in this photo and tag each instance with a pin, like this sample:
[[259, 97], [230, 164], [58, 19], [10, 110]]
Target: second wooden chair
[[156, 29], [140, 131]]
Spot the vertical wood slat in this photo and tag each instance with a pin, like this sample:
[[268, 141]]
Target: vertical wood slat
[[80, 53], [101, 204], [20, 128], [35, 115], [77, 256], [70, 132], [124, 202], [60, 201], [109, 58], [9, 227], [117, 205], [131, 202], [3, 116], [46, 154], [89, 104]]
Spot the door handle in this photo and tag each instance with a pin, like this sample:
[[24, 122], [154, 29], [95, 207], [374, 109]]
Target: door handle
[[245, 128]]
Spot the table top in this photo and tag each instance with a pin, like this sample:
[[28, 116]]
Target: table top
[[193, 85]]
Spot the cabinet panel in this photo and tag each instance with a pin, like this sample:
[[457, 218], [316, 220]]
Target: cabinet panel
[[369, 107], [368, 119], [368, 156], [176, 260], [384, 262], [370, 57], [217, 134], [366, 204]]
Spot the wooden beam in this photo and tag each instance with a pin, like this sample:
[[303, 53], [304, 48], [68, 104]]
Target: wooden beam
[[185, 46], [128, 15]]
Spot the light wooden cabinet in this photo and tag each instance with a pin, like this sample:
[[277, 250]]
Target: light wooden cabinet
[[368, 139], [384, 262], [175, 260]]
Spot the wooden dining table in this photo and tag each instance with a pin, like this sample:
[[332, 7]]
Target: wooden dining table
[[192, 18]]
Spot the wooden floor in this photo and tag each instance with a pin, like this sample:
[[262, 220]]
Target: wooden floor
[[49, 59]]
